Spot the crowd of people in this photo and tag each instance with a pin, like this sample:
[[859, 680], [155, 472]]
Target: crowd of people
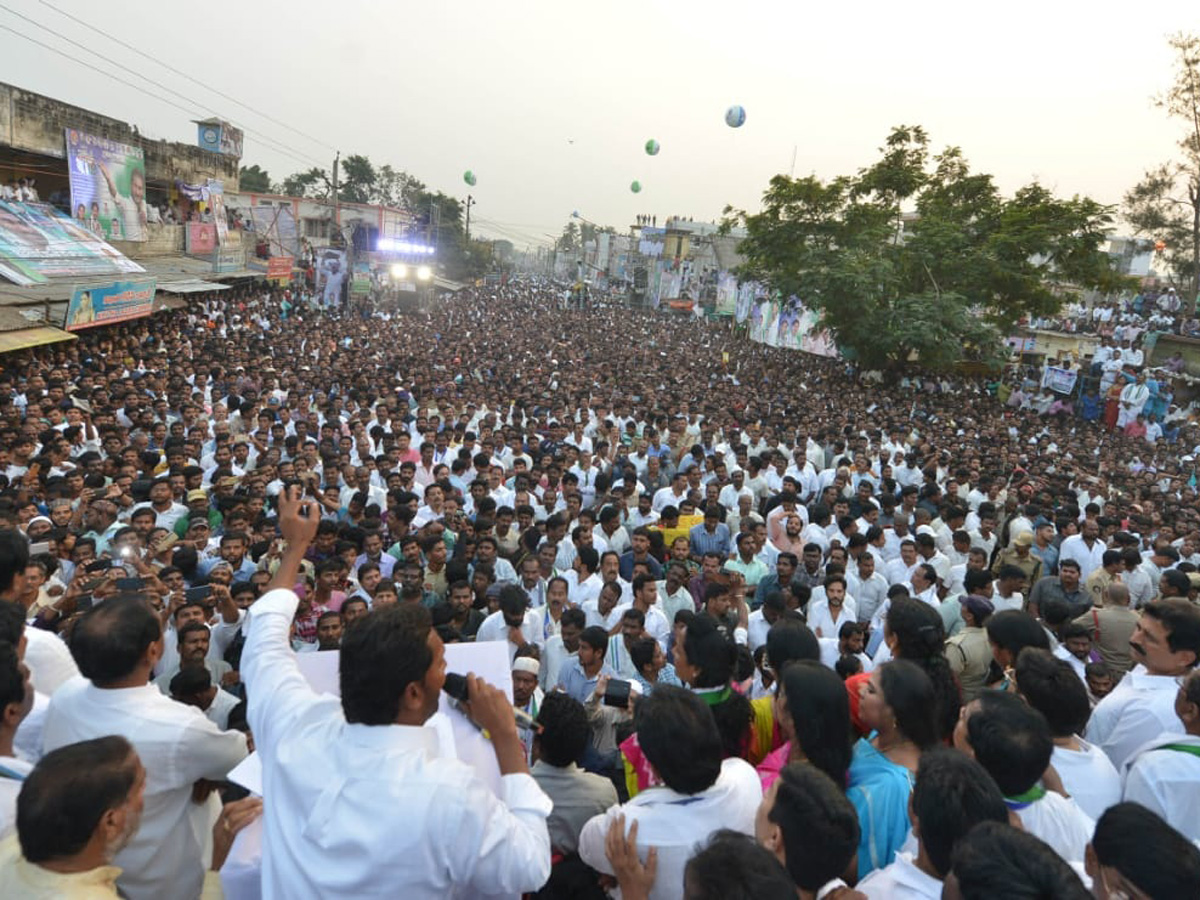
[[1126, 318], [775, 627]]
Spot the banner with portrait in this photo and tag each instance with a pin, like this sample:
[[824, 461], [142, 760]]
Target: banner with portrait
[[94, 305], [216, 205], [789, 325], [331, 275], [108, 186], [727, 294], [37, 243]]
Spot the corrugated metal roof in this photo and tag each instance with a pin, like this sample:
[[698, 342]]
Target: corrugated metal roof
[[22, 338], [167, 269]]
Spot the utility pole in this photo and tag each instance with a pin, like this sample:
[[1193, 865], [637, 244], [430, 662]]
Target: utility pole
[[470, 203], [337, 214]]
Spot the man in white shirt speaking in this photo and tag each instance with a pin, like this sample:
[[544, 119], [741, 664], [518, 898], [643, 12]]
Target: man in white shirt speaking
[[392, 814]]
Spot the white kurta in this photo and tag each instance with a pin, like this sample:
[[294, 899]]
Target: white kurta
[[676, 823], [1059, 822], [1167, 782], [1142, 704], [1089, 777], [902, 880], [392, 814], [1133, 398], [178, 746]]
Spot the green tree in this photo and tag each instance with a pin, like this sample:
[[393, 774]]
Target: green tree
[[920, 257], [359, 180], [254, 179], [1165, 204], [314, 184], [570, 238]]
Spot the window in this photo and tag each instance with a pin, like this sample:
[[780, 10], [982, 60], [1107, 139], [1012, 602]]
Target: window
[[316, 228]]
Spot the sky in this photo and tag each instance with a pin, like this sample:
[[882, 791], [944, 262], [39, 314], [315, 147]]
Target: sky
[[550, 103]]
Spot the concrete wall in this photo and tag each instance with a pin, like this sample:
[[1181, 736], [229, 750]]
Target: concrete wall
[[1054, 343], [161, 240], [1168, 344], [34, 123]]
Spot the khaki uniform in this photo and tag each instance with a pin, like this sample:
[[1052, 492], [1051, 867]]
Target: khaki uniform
[[970, 655], [1030, 565], [1097, 583], [1111, 628]]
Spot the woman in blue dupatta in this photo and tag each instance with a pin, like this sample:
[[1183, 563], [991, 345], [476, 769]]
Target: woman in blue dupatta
[[898, 704]]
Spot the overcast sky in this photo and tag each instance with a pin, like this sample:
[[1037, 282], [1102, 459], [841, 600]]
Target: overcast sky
[[550, 103]]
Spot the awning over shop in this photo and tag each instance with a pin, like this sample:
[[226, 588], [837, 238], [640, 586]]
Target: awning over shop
[[37, 336], [191, 286], [241, 273]]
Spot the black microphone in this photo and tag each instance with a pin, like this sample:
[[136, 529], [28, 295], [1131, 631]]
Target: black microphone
[[456, 688]]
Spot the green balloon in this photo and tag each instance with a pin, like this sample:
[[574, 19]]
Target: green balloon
[[469, 177], [636, 187], [652, 147]]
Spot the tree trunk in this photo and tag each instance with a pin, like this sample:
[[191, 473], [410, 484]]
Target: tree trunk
[[1195, 279]]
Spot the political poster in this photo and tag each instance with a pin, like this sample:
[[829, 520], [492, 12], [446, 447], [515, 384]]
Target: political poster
[[727, 294], [108, 186], [216, 205], [1059, 380], [37, 243], [331, 275], [360, 283], [229, 259], [93, 305], [279, 268], [200, 238]]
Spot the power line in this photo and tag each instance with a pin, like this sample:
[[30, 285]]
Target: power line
[[510, 234], [190, 78], [269, 142], [104, 71]]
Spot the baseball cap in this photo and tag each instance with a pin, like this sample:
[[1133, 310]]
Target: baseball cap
[[196, 495]]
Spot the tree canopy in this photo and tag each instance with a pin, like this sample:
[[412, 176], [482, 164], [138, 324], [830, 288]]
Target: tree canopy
[[254, 179], [1165, 205], [918, 255]]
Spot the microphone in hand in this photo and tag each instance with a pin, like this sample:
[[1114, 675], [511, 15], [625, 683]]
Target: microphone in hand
[[486, 706]]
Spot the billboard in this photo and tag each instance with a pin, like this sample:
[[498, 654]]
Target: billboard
[[216, 205], [200, 238], [219, 137], [229, 259], [279, 268], [790, 325], [104, 304], [37, 243], [360, 283], [108, 186]]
